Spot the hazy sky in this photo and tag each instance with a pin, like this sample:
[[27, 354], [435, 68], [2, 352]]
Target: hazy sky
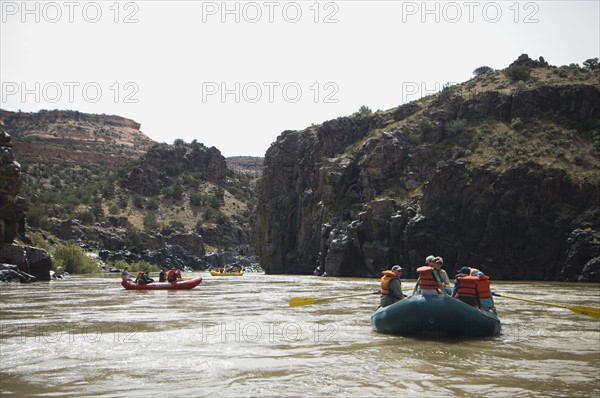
[[235, 74]]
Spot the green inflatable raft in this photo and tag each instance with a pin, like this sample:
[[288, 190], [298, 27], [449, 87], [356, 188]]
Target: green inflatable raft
[[435, 315]]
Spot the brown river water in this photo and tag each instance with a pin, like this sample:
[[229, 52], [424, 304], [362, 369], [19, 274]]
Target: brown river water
[[238, 337]]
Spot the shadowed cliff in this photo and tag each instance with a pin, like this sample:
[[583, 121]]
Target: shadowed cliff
[[501, 173]]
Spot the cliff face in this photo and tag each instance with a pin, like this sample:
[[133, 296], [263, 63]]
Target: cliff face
[[11, 210], [162, 162], [502, 179], [75, 136], [17, 262]]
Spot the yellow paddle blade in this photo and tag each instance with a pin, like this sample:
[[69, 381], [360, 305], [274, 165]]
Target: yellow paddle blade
[[589, 311], [578, 309], [300, 301]]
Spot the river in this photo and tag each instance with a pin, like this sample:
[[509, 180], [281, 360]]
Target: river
[[238, 337]]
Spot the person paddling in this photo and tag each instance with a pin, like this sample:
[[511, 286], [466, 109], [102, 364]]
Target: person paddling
[[391, 287]]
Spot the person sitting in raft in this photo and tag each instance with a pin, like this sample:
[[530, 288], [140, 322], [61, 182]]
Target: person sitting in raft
[[485, 294], [391, 287], [438, 263], [139, 278], [178, 275], [143, 277], [473, 271], [172, 275], [464, 271], [430, 262], [466, 290], [125, 274], [429, 282], [146, 278], [162, 277]]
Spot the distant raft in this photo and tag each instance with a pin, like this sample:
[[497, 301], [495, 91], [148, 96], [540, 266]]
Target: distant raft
[[180, 284], [217, 273], [435, 315]]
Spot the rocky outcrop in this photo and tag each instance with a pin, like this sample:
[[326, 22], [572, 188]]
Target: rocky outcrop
[[359, 194], [11, 273], [229, 234], [74, 136], [179, 249], [163, 161], [19, 263], [531, 63]]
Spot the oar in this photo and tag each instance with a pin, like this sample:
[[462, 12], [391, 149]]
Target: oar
[[578, 309], [300, 301]]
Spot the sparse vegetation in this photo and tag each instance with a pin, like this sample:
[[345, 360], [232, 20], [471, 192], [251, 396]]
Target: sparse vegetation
[[516, 123], [38, 240], [482, 70], [457, 126], [151, 223], [73, 260], [364, 110]]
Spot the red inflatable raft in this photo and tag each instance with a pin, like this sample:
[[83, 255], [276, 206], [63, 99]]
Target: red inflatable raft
[[184, 284]]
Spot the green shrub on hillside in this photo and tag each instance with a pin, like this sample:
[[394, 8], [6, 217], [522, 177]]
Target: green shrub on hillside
[[38, 240], [175, 192], [516, 123], [138, 201], [482, 70], [425, 125], [152, 204], [518, 72], [591, 64], [197, 199], [122, 202], [132, 238], [217, 198], [457, 126], [176, 224], [37, 216], [214, 215], [151, 222], [85, 216], [73, 260], [364, 110]]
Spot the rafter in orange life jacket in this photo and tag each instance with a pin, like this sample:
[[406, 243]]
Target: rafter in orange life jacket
[[426, 278], [386, 279]]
